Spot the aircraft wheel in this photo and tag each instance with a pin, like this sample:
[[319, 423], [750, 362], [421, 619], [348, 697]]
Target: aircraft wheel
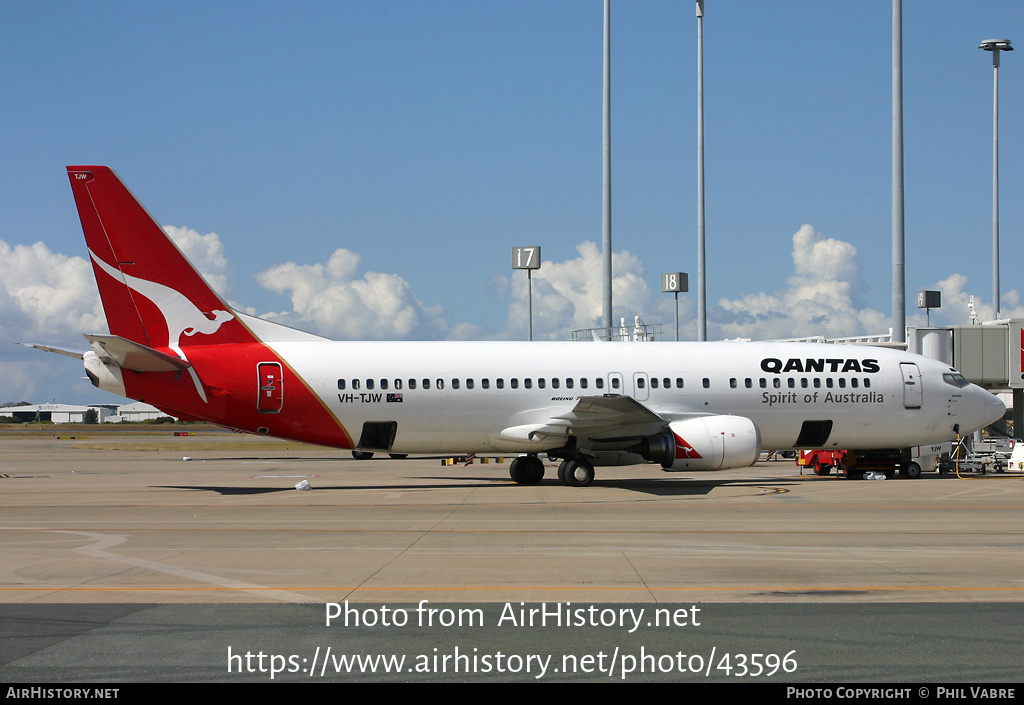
[[362, 454], [912, 471], [398, 456], [579, 473], [561, 470], [526, 470]]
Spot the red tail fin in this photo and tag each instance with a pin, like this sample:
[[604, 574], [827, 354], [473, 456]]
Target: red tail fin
[[151, 293]]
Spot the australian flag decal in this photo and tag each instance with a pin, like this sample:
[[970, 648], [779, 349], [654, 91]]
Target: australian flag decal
[[394, 398]]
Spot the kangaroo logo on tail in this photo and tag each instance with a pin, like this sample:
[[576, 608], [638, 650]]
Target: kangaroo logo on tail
[[180, 314]]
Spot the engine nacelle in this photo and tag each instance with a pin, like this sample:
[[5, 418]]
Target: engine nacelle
[[705, 443]]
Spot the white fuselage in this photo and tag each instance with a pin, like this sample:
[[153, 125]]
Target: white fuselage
[[459, 396]]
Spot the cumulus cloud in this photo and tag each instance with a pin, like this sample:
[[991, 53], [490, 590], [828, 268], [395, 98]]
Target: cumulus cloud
[[823, 297], [330, 299], [47, 297], [567, 295], [956, 303]]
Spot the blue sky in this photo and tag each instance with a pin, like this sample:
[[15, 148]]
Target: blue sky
[[425, 139]]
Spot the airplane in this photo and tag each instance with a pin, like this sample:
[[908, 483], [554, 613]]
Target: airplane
[[690, 406]]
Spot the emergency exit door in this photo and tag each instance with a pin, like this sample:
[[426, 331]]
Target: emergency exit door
[[271, 387]]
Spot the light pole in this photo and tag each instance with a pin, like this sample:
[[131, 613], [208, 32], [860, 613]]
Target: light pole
[[899, 278], [995, 46], [702, 309], [606, 180]]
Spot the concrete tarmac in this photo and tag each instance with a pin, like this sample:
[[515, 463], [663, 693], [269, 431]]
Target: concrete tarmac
[[116, 518], [121, 518]]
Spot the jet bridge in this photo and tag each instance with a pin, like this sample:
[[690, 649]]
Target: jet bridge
[[990, 355]]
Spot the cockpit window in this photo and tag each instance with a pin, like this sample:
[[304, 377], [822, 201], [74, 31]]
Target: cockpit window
[[955, 379]]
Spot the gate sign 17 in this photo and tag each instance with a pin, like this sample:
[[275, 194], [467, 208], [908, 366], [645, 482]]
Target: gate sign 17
[[674, 281], [526, 258]]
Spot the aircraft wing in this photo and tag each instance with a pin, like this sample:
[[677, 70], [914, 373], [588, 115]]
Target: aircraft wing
[[610, 419]]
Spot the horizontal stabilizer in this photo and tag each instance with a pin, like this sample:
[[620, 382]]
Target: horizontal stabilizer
[[133, 356], [59, 351]]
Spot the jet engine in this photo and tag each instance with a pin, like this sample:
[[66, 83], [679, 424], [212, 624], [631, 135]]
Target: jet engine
[[704, 443]]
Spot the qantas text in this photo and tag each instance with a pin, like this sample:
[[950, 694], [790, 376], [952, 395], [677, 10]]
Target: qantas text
[[810, 364]]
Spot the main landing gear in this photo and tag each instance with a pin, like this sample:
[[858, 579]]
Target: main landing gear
[[527, 470], [574, 472]]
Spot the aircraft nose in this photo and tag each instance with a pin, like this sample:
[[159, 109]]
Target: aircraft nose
[[988, 407]]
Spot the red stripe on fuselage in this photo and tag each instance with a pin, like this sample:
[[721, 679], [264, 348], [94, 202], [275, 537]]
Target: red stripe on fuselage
[[230, 380]]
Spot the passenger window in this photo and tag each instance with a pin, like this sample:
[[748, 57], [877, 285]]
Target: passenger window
[[828, 382], [599, 383], [412, 383], [398, 384], [791, 382], [355, 384], [748, 383], [541, 383], [554, 382], [679, 382], [439, 384], [707, 383], [469, 384], [817, 382], [842, 383], [615, 382], [732, 383], [369, 384], [854, 382], [485, 383], [500, 382], [583, 382], [383, 384], [514, 383], [763, 383], [803, 382], [455, 383], [776, 382], [568, 382], [426, 383], [341, 384], [654, 382], [867, 382], [528, 383], [640, 383]]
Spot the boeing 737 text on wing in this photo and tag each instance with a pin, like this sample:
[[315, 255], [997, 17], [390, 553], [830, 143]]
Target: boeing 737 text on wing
[[175, 344]]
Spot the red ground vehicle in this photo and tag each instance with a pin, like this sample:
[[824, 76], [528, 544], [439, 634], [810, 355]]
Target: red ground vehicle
[[822, 461], [855, 464]]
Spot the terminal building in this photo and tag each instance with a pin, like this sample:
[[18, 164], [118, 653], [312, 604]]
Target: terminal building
[[72, 413]]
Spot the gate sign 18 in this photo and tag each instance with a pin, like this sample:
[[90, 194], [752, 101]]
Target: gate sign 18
[[674, 281], [526, 258]]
